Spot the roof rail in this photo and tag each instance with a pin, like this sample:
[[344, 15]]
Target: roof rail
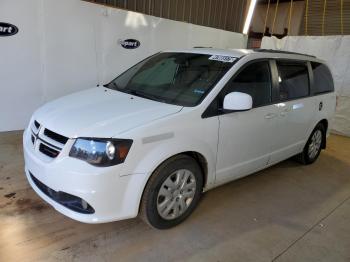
[[202, 47], [280, 52]]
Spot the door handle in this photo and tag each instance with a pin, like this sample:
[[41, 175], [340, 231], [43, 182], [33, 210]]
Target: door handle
[[285, 111], [270, 116]]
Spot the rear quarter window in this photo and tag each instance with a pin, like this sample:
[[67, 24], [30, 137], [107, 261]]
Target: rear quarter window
[[323, 80]]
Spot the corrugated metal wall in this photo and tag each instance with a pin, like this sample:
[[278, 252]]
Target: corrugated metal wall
[[332, 25], [224, 14]]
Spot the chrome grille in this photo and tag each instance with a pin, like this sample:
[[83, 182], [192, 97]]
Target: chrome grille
[[36, 124], [58, 138], [46, 141], [53, 153]]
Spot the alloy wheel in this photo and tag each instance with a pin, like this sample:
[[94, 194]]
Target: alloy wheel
[[315, 144], [176, 194]]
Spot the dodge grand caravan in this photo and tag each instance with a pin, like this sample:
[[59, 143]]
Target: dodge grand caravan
[[176, 124]]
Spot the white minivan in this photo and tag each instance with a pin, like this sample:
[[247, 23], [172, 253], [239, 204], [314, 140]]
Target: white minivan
[[177, 124]]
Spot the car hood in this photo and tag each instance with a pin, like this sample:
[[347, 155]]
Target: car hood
[[100, 112]]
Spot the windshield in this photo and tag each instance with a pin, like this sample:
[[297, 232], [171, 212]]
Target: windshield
[[176, 78]]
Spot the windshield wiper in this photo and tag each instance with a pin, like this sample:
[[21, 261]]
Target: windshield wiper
[[115, 86], [145, 95], [137, 93]]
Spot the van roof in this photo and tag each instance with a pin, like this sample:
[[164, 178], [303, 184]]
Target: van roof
[[260, 53], [214, 51], [272, 51]]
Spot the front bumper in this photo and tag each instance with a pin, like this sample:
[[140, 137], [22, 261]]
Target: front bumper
[[113, 196]]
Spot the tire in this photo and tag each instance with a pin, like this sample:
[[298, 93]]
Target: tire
[[313, 146], [169, 198]]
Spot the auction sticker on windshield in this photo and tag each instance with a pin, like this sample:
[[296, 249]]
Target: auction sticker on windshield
[[223, 58]]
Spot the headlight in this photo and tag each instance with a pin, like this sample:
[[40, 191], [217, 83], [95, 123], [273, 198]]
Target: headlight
[[101, 152]]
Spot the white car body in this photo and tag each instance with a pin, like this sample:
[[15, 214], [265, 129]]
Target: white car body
[[229, 146]]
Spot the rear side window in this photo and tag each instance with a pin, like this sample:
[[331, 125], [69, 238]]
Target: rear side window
[[254, 80], [293, 80], [323, 81]]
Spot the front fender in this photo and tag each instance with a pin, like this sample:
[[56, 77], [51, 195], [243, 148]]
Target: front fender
[[158, 152], [159, 141]]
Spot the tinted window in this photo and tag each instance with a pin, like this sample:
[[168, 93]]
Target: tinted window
[[176, 78], [254, 80], [323, 81], [293, 80]]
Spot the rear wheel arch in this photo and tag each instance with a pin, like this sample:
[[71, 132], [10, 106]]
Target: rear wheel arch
[[311, 144], [324, 122]]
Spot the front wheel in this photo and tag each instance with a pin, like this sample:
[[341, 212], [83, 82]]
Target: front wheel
[[313, 146], [172, 192]]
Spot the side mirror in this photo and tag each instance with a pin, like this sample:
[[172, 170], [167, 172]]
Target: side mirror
[[237, 101]]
